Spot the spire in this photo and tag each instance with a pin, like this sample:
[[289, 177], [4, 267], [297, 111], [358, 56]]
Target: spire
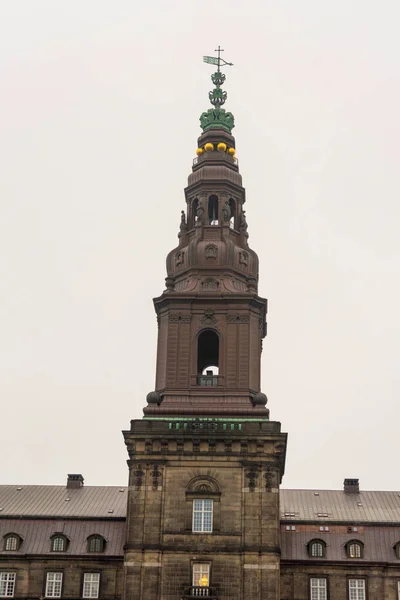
[[217, 117]]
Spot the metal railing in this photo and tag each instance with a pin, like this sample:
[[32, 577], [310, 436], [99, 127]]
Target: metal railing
[[207, 380], [199, 591]]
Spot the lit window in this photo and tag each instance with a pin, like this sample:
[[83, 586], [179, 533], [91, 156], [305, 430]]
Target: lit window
[[316, 549], [96, 544], [354, 550], [318, 588], [11, 543], [91, 583], [58, 544], [7, 585], [356, 589], [202, 516], [201, 578], [53, 585]]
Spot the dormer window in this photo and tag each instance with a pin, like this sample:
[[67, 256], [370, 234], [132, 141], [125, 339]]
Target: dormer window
[[12, 542], [96, 543], [396, 548], [58, 543], [354, 549], [317, 549]]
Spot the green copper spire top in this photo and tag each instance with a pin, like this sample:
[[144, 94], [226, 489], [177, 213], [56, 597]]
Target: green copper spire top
[[217, 117]]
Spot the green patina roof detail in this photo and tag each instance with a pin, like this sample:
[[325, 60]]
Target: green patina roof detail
[[217, 117]]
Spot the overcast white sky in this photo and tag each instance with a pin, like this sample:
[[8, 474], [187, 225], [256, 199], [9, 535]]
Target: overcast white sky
[[99, 117]]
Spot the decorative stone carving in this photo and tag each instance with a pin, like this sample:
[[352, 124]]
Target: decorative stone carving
[[156, 474], [252, 475], [209, 318], [243, 258], [179, 317], [237, 318], [200, 213], [139, 474], [270, 479], [211, 251], [183, 225], [226, 211], [203, 487], [210, 284], [243, 222], [148, 446], [179, 257]]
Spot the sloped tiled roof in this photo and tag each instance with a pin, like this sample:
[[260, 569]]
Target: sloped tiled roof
[[36, 536], [378, 545], [106, 502], [365, 507], [58, 501]]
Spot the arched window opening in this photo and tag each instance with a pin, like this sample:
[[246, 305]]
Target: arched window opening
[[96, 543], [12, 542], [232, 206], [195, 206], [213, 210], [208, 358], [58, 543], [316, 549], [354, 550]]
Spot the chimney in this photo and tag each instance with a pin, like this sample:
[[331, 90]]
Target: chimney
[[75, 481], [351, 486]]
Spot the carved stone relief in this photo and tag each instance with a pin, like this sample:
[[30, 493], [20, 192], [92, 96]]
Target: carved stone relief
[[243, 258], [237, 318], [211, 251], [209, 318], [179, 317], [210, 284]]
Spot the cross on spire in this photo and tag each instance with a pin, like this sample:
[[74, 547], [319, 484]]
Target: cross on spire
[[212, 60]]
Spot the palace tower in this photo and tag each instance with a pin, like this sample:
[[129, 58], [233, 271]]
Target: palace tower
[[206, 462]]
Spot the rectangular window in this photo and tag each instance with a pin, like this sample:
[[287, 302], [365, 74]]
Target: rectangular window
[[7, 585], [201, 575], [202, 516], [318, 588], [53, 585], [356, 589], [91, 584]]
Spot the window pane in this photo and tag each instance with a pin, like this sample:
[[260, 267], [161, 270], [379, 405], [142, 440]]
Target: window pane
[[53, 585], [91, 583], [318, 589], [12, 543], [201, 574], [96, 544], [7, 584], [317, 549], [356, 589], [58, 544], [202, 515]]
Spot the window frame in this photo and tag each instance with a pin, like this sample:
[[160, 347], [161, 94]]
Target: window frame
[[355, 543], [203, 514], [315, 542], [318, 578], [358, 579], [96, 537], [84, 575], [7, 582], [47, 582], [201, 563], [59, 536], [12, 536]]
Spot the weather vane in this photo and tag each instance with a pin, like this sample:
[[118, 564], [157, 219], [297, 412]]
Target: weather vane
[[213, 60], [217, 117]]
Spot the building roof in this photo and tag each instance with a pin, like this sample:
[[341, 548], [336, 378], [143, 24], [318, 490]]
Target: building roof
[[36, 536], [59, 501], [340, 507], [378, 545], [106, 502]]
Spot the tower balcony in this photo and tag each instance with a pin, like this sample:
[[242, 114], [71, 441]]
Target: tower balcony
[[208, 380], [199, 591]]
